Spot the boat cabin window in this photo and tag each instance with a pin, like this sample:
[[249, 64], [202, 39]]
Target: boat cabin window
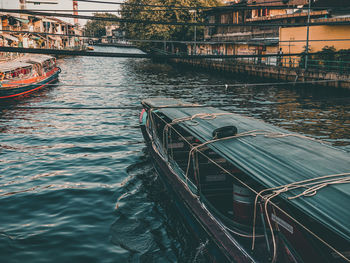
[[18, 73], [212, 174], [49, 64]]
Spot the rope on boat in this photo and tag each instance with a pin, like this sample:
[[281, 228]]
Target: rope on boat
[[312, 186], [179, 105], [257, 193], [203, 116]]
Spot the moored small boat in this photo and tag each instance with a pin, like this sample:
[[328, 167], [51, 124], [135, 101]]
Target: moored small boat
[[250, 191], [27, 74]]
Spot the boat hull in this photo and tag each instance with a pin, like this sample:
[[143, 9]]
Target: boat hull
[[16, 91], [236, 214], [219, 246]]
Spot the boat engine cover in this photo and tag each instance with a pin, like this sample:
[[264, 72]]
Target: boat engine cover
[[225, 131]]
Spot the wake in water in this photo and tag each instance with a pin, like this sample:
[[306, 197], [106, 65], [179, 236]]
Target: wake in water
[[147, 225]]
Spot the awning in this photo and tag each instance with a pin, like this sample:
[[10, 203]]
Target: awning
[[55, 38], [25, 21], [39, 36], [10, 37]]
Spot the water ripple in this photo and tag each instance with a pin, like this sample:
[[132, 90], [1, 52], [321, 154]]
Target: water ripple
[[78, 186]]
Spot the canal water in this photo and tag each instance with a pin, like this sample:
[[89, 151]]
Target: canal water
[[77, 184]]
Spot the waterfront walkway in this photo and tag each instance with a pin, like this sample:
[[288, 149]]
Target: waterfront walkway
[[323, 77]]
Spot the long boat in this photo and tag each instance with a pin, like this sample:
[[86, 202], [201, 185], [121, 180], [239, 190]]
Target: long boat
[[27, 74], [250, 191]]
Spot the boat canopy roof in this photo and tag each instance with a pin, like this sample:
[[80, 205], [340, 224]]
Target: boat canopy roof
[[23, 62], [273, 160], [13, 65], [35, 58]]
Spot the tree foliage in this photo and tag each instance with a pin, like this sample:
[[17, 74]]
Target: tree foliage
[[164, 32], [97, 28], [328, 58]]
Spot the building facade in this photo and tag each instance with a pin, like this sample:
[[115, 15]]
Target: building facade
[[38, 32], [262, 34]]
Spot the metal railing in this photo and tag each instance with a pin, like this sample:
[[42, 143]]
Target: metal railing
[[297, 62], [329, 65], [276, 61], [293, 62]]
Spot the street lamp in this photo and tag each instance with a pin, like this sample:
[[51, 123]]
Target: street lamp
[[195, 31]]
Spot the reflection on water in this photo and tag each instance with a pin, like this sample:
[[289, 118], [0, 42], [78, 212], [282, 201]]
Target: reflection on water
[[77, 185]]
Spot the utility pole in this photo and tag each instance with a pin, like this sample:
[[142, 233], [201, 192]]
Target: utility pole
[[22, 4], [195, 31], [307, 35], [75, 12]]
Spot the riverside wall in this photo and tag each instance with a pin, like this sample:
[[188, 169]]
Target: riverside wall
[[323, 78]]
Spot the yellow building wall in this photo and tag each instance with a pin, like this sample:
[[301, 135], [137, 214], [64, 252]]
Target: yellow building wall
[[315, 33]]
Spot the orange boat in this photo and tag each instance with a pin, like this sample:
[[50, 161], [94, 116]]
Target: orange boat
[[27, 74]]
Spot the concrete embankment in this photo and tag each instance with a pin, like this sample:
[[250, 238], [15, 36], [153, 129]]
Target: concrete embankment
[[298, 75]]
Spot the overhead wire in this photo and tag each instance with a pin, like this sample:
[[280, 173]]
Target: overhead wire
[[175, 23], [170, 40], [100, 11], [137, 107], [136, 55], [223, 7], [224, 85]]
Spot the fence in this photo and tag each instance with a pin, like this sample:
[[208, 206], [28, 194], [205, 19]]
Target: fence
[[294, 62]]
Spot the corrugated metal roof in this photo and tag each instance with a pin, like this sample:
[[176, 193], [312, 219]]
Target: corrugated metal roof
[[10, 37]]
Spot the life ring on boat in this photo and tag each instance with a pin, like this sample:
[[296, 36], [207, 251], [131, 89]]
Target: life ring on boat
[[2, 76]]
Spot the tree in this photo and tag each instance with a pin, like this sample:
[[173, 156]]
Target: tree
[[159, 13], [97, 28]]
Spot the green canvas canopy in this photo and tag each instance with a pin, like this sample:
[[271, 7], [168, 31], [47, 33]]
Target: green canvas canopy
[[274, 161]]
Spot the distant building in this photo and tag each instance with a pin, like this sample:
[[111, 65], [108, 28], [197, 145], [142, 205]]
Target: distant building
[[294, 39], [252, 39], [114, 34], [41, 32]]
